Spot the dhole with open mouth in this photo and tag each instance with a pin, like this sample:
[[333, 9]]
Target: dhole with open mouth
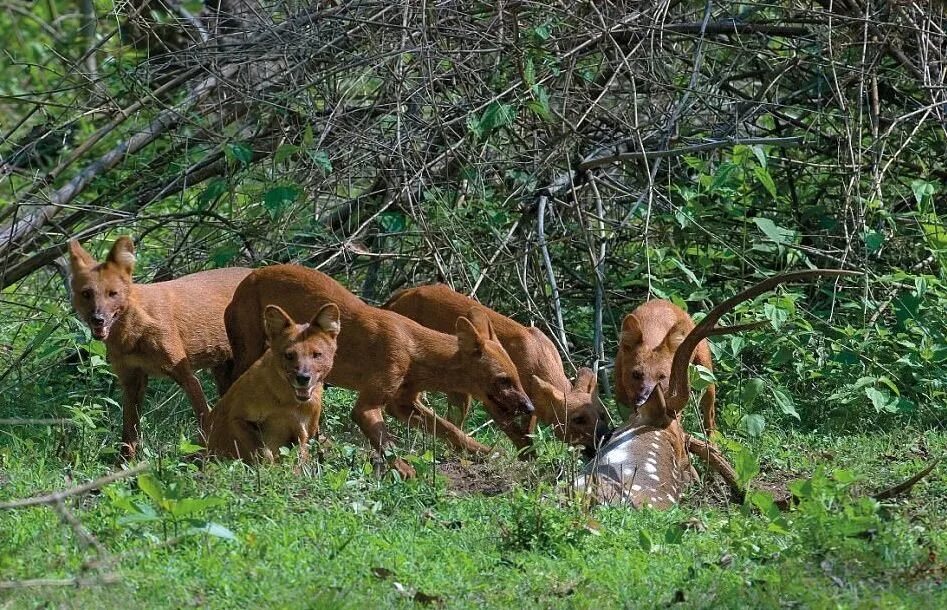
[[573, 410], [387, 358], [650, 336], [169, 329], [278, 400]]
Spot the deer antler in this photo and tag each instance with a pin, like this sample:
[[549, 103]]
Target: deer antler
[[679, 384]]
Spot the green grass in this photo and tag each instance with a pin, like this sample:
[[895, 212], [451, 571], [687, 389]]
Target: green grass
[[339, 536]]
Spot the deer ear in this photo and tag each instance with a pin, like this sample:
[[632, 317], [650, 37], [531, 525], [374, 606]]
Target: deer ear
[[630, 330], [471, 341], [481, 321], [585, 381], [327, 318], [676, 335], [122, 254], [79, 259], [548, 393], [275, 321]]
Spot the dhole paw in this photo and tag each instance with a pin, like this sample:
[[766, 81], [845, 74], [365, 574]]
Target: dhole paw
[[403, 468]]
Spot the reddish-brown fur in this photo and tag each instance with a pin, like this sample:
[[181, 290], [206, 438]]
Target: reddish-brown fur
[[386, 357], [574, 412], [645, 462], [169, 329], [278, 400], [649, 337]]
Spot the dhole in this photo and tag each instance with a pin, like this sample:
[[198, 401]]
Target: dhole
[[646, 462], [574, 412], [650, 335], [387, 358], [169, 329], [278, 400]]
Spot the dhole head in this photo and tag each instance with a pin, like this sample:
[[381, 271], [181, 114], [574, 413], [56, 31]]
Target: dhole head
[[583, 420], [303, 352], [100, 290], [489, 366], [644, 367]]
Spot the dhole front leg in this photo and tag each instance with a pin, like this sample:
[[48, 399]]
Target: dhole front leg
[[368, 413], [410, 413], [184, 376], [133, 382]]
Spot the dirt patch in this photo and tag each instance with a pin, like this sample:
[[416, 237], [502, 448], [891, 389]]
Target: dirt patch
[[466, 478]]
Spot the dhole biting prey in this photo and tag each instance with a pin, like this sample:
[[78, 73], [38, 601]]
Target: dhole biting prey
[[385, 357], [278, 400], [650, 335], [169, 329], [645, 462], [574, 412]]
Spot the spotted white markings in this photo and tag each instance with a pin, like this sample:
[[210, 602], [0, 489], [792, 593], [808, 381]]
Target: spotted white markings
[[650, 468]]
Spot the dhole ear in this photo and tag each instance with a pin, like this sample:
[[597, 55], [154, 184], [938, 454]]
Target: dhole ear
[[548, 393], [471, 340], [79, 259], [275, 321], [327, 318], [585, 381], [630, 330], [481, 322], [676, 336], [122, 254]]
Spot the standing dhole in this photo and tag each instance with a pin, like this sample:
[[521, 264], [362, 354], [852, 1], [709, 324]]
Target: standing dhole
[[385, 357], [169, 329], [574, 412], [649, 337], [278, 400]]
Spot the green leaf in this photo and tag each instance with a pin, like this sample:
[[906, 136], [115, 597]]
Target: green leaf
[[321, 159], [239, 152], [224, 255], [785, 403], [673, 534], [754, 424], [190, 506], [213, 529], [751, 390], [214, 190], [495, 116], [276, 200], [285, 152], [152, 487], [701, 377], [923, 190], [746, 466], [645, 541], [881, 400], [540, 103], [766, 180], [873, 241], [392, 222], [774, 232]]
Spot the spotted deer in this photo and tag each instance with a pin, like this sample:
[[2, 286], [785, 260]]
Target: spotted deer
[[645, 462]]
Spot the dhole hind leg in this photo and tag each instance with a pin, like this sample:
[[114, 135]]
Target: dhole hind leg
[[133, 382], [708, 400], [241, 441], [368, 413], [458, 408], [410, 412]]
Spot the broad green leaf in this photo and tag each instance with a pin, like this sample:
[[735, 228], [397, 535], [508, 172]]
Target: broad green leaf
[[774, 232], [213, 529], [784, 402], [278, 199], [751, 391], [746, 466], [754, 424], [190, 506], [766, 180], [240, 152], [152, 487], [645, 541]]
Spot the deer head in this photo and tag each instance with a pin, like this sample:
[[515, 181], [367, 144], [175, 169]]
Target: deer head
[[645, 462]]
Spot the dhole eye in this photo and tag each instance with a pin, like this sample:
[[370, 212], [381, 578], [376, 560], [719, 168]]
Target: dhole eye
[[113, 293], [288, 355], [662, 376], [317, 355], [638, 375], [86, 294]]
